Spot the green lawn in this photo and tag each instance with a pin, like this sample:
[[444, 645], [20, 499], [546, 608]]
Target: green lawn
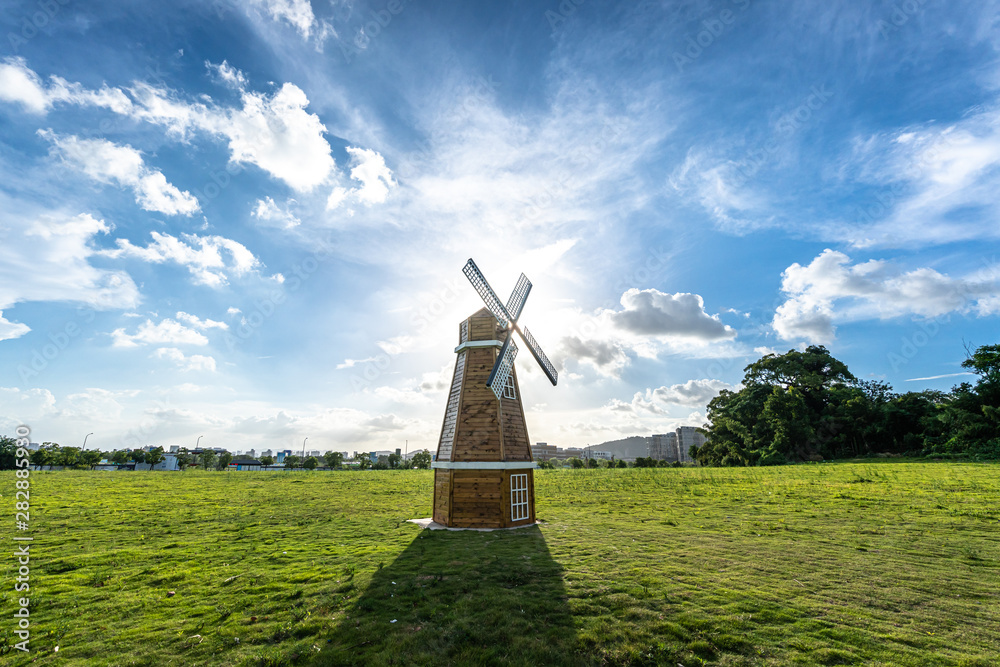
[[881, 563]]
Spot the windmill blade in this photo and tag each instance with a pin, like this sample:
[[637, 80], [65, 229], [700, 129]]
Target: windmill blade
[[493, 303], [503, 366], [539, 356], [517, 298]]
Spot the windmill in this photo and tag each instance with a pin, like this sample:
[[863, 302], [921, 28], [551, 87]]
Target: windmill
[[483, 469]]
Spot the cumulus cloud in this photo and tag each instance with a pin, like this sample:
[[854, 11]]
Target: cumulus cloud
[[210, 259], [21, 85], [693, 393], [11, 330], [198, 323], [607, 356], [274, 132], [653, 313], [194, 362], [829, 289], [106, 162], [165, 332], [46, 258], [370, 170], [269, 212]]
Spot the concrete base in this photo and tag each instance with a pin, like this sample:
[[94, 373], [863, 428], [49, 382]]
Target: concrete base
[[431, 524]]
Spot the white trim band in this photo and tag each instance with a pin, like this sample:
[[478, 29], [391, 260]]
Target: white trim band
[[483, 465], [479, 343]]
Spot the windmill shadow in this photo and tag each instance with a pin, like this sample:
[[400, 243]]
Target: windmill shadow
[[460, 597]]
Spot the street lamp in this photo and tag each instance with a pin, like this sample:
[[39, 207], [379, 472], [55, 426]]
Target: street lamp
[[85, 439], [197, 441], [304, 448]]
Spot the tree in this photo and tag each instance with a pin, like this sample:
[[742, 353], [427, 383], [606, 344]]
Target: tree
[[137, 455], [291, 461], [67, 456], [45, 454], [310, 463], [267, 461], [154, 456], [183, 458], [422, 459], [592, 463], [91, 458], [545, 465], [575, 462], [364, 461], [621, 464], [120, 456], [334, 459], [393, 460], [8, 450], [207, 458], [225, 458]]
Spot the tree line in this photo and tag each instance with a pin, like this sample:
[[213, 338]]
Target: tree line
[[53, 454], [807, 406]]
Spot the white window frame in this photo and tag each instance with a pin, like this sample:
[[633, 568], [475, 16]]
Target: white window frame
[[519, 510], [508, 388]]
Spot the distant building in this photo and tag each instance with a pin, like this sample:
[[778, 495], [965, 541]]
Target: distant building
[[169, 462], [663, 447], [245, 463], [267, 452], [541, 451], [676, 446], [686, 437], [570, 452], [600, 456]]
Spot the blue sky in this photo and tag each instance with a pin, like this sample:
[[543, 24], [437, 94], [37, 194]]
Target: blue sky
[[248, 220]]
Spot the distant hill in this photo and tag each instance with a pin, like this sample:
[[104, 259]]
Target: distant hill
[[631, 447]]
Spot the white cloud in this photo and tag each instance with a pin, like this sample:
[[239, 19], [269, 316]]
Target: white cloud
[[210, 259], [693, 393], [371, 171], [654, 313], [279, 136], [195, 362], [21, 85], [11, 330], [198, 323], [375, 177], [274, 132], [298, 13], [830, 289], [106, 162], [608, 357], [165, 332], [228, 74], [268, 211], [937, 183], [45, 258]]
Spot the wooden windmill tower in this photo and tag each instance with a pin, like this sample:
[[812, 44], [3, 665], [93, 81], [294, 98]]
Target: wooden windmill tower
[[483, 469]]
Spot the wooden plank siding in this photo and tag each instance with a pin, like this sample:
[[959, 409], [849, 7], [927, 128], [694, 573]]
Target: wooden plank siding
[[478, 427]]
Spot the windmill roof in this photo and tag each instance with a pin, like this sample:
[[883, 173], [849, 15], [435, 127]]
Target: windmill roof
[[482, 312]]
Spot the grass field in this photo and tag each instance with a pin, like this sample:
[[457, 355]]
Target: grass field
[[883, 563]]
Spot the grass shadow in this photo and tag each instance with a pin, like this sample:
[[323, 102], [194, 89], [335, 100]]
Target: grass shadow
[[460, 598]]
